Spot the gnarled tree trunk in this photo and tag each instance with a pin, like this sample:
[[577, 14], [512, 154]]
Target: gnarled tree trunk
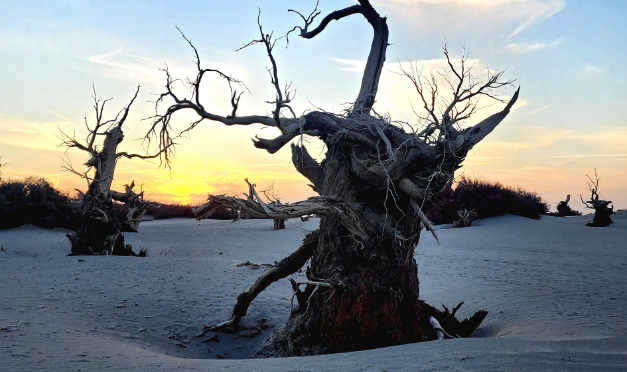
[[374, 301], [602, 209], [362, 288], [101, 227], [100, 231]]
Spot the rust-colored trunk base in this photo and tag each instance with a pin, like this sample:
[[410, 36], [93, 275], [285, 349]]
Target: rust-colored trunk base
[[279, 224]]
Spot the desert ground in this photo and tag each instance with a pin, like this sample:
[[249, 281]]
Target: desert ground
[[555, 291]]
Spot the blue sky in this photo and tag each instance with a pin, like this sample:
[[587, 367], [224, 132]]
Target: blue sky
[[567, 56]]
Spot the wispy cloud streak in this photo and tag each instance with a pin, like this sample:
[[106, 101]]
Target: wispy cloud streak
[[524, 13], [521, 48]]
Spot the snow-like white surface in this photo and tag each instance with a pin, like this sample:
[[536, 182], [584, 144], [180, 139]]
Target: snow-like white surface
[[554, 289]]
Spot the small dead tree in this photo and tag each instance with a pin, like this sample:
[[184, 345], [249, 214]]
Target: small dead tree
[[465, 218], [1, 165], [602, 209], [564, 210], [273, 199], [101, 229], [376, 181]]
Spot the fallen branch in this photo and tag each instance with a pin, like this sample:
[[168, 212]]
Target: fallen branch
[[253, 265], [280, 270], [331, 206]]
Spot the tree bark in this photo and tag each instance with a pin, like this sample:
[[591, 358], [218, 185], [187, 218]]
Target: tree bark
[[362, 288], [102, 222], [602, 214], [279, 224], [375, 300], [100, 231]]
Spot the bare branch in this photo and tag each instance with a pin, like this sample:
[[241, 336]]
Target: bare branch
[[374, 65], [280, 270], [350, 218], [164, 133], [307, 166], [466, 91], [333, 16], [279, 102]]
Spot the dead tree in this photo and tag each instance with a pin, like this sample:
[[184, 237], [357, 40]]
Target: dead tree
[[563, 209], [101, 229], [602, 209], [273, 199], [1, 165], [375, 183], [465, 218]]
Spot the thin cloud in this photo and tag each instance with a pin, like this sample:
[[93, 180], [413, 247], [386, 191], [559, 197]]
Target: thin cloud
[[504, 13], [590, 69], [590, 156], [128, 67], [353, 65], [521, 48], [538, 110], [541, 11]]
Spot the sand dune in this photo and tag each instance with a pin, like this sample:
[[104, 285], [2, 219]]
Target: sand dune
[[554, 288]]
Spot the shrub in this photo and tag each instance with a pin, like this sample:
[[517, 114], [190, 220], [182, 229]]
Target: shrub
[[487, 199], [35, 201], [187, 211], [166, 211]]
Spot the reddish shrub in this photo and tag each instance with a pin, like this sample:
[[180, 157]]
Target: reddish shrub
[[166, 211], [487, 199], [35, 201]]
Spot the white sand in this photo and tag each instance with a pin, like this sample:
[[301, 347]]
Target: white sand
[[554, 288]]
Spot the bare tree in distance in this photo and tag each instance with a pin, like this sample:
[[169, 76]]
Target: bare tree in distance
[[564, 210], [602, 209], [273, 199], [101, 229], [1, 165], [465, 218], [375, 183]]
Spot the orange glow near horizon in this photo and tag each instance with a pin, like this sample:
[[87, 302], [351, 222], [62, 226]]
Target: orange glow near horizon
[[187, 185]]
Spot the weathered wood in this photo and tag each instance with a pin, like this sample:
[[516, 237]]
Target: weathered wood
[[563, 208], [279, 224], [602, 209], [465, 218], [280, 270], [376, 181], [101, 228], [359, 228], [449, 323], [307, 166]]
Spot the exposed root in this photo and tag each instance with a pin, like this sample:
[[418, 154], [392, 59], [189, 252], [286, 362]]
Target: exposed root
[[448, 323], [437, 328], [280, 270], [233, 322]]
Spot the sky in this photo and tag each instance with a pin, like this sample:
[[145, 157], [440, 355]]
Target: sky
[[567, 56]]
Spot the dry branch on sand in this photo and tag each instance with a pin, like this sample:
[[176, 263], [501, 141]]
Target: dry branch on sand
[[100, 230], [376, 182]]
